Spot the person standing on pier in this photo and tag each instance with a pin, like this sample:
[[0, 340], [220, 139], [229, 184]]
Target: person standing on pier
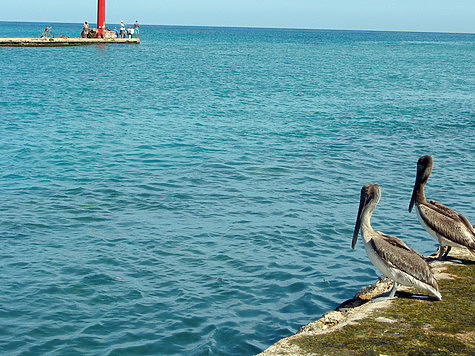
[[85, 30], [122, 29], [136, 28]]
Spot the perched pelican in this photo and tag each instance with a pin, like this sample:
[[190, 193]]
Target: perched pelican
[[446, 225], [388, 253]]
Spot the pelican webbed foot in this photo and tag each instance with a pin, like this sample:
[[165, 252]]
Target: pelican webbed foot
[[443, 252], [392, 295], [446, 252]]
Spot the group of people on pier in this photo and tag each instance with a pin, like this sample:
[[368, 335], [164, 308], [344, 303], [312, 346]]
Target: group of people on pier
[[131, 32]]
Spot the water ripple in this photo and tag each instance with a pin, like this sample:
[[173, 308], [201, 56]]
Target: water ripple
[[204, 202]]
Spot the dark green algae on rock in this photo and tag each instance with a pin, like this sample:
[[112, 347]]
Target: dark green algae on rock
[[408, 325]]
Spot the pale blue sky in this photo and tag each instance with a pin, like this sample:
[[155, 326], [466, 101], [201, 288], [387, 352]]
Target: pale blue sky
[[402, 15]]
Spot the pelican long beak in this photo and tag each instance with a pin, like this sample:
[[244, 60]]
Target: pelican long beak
[[363, 202], [417, 184]]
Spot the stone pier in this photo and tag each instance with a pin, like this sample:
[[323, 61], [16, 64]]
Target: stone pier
[[61, 42]]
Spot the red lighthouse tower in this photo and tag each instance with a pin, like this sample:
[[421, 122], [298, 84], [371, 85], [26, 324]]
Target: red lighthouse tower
[[101, 17]]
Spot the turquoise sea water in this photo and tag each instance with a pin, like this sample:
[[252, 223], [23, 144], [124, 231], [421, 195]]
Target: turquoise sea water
[[196, 194]]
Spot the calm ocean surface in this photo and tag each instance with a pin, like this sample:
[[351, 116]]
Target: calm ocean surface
[[196, 194]]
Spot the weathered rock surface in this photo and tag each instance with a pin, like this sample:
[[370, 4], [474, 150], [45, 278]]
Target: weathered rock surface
[[410, 324]]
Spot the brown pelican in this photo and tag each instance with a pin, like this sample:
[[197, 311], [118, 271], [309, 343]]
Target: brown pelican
[[446, 225], [388, 253]]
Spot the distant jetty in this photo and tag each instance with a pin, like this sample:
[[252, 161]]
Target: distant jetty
[[61, 42], [99, 35]]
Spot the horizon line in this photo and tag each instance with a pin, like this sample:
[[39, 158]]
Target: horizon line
[[262, 27]]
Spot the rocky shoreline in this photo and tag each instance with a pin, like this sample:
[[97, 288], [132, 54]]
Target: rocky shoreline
[[410, 324]]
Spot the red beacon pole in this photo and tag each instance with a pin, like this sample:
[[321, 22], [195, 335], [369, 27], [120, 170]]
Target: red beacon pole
[[101, 17]]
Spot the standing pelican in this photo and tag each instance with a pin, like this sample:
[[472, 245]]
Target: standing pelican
[[446, 225], [388, 253]]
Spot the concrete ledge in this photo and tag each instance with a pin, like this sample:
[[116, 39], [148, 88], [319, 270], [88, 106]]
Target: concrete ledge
[[61, 42], [409, 325]]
